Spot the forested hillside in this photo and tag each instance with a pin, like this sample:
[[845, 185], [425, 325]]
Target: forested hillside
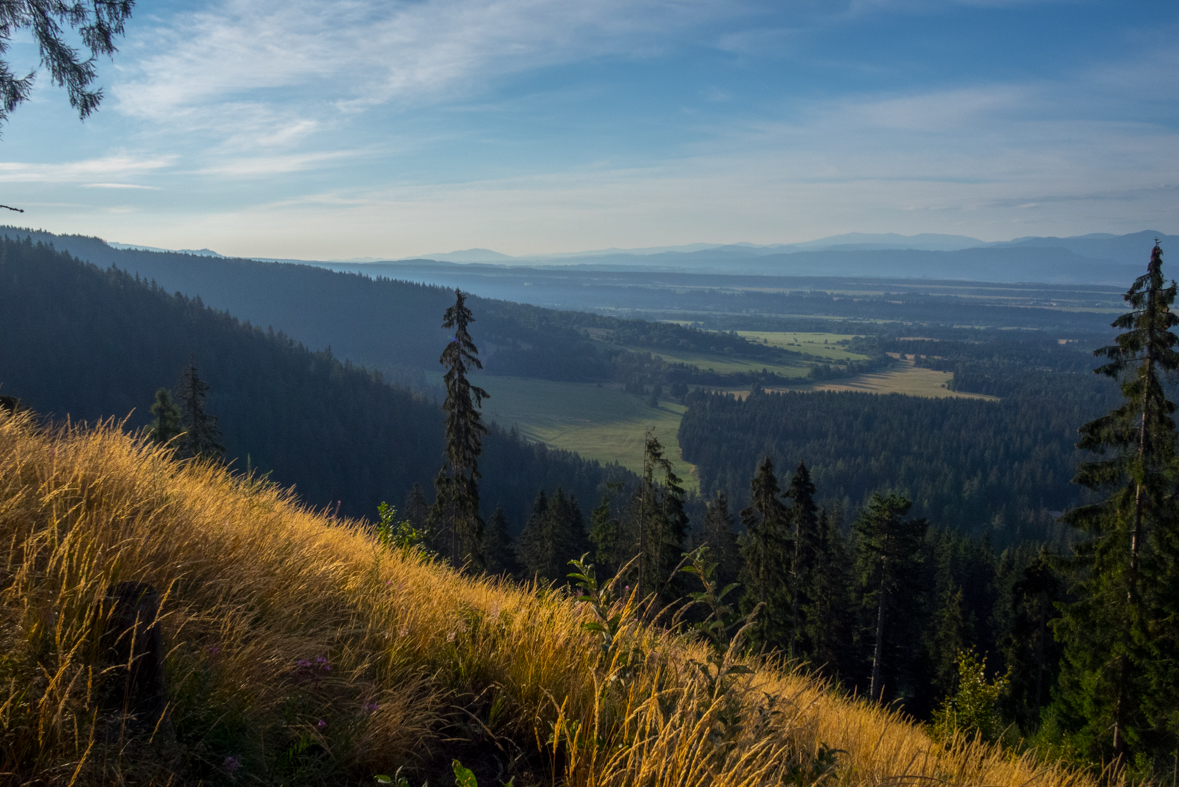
[[969, 464], [392, 325], [91, 344]]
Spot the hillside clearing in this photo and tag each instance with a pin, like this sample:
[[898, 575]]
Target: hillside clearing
[[596, 421]]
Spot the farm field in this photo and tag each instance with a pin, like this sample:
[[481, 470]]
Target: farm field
[[904, 378], [597, 422], [821, 344]]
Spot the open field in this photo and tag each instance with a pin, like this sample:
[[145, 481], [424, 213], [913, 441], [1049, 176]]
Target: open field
[[597, 422], [903, 378], [821, 344]]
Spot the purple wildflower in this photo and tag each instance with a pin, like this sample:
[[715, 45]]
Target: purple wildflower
[[231, 764], [321, 724]]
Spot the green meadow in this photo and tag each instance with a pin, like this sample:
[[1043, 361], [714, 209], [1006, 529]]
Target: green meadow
[[824, 345], [598, 422]]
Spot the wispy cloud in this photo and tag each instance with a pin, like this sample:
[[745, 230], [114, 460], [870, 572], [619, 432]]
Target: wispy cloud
[[263, 166], [293, 64], [89, 170], [119, 186]]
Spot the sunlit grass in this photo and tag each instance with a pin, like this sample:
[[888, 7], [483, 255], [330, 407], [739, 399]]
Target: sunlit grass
[[597, 421], [420, 655], [824, 345]]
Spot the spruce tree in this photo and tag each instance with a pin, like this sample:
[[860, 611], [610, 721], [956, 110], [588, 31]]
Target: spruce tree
[[720, 539], [202, 436], [657, 522], [464, 435], [537, 547], [605, 532], [1025, 637], [827, 613], [887, 550], [498, 549], [553, 535], [767, 551], [416, 509], [1121, 636], [804, 516], [951, 627], [167, 424]]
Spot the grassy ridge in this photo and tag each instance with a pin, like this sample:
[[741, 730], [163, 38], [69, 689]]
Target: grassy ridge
[[300, 651]]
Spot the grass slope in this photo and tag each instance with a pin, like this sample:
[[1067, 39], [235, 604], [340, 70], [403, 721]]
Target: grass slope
[[301, 651], [598, 422]]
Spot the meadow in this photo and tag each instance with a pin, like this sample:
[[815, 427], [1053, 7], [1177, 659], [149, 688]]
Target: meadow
[[597, 421], [300, 649], [823, 345]]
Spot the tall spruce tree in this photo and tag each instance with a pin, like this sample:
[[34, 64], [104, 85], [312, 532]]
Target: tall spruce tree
[[804, 516], [1121, 636], [202, 436], [721, 540], [888, 548], [606, 530], [464, 439], [655, 524], [498, 548], [167, 423], [416, 508], [827, 613], [1032, 593], [767, 551]]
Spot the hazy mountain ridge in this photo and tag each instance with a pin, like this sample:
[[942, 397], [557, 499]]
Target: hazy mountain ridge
[[1095, 258]]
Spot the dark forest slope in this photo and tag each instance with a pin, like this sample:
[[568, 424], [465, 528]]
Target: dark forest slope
[[393, 325], [91, 344], [997, 467]]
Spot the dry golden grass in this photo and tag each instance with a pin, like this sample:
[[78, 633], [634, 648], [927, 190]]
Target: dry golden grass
[[252, 583]]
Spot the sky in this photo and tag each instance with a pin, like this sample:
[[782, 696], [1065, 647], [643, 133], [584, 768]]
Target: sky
[[308, 129]]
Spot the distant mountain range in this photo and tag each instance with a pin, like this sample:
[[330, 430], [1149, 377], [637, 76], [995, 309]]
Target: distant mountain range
[[1086, 259], [1125, 249]]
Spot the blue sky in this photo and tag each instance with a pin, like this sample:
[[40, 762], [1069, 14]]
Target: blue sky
[[316, 130]]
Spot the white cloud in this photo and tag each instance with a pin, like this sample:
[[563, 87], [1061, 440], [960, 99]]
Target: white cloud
[[119, 186], [82, 171], [294, 64]]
